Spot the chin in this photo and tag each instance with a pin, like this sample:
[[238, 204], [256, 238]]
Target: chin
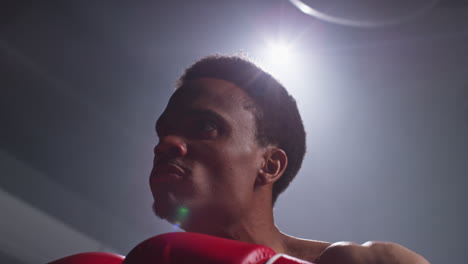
[[169, 211], [199, 216], [163, 211]]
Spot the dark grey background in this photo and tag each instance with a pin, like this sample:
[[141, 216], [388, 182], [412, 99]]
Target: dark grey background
[[386, 111]]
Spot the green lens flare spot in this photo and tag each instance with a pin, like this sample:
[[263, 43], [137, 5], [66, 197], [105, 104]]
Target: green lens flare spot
[[183, 211]]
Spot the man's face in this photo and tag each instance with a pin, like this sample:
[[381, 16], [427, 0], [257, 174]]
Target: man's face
[[207, 159]]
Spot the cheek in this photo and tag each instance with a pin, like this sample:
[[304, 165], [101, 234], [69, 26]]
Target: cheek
[[235, 168], [223, 169]]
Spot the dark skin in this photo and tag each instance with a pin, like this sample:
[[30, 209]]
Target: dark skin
[[209, 161]]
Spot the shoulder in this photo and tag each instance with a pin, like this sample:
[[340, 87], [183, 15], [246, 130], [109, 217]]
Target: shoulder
[[369, 252], [303, 248]]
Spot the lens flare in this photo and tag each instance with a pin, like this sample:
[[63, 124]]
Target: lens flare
[[182, 213]]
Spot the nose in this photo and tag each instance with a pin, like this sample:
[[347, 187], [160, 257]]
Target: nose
[[170, 147]]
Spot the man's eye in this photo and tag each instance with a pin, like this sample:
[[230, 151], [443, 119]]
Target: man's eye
[[205, 128]]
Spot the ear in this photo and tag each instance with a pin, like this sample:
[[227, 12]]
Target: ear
[[273, 167]]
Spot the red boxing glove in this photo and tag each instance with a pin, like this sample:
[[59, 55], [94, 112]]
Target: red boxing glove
[[185, 248], [190, 248], [90, 258]]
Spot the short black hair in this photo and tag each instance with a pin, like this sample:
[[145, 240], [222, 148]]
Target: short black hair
[[277, 117]]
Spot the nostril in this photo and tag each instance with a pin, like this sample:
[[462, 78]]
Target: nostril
[[173, 151]]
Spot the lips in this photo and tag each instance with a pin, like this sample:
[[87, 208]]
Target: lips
[[167, 172]]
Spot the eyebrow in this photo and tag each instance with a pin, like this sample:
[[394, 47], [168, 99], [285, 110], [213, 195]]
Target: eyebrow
[[190, 112]]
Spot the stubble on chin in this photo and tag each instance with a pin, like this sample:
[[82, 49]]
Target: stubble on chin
[[163, 212], [167, 209]]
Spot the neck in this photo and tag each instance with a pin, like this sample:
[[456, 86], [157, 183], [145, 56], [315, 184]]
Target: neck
[[255, 226]]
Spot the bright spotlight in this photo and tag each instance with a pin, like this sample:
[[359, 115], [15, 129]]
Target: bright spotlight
[[288, 62], [279, 53], [280, 59]]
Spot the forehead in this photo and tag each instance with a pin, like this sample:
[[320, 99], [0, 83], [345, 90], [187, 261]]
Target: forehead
[[209, 93]]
